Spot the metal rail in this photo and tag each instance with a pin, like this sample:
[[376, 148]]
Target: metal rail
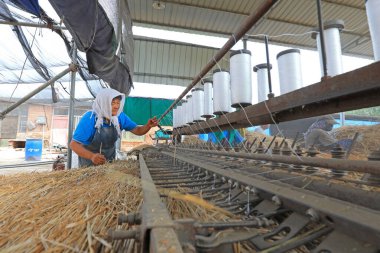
[[352, 90], [243, 29], [316, 182], [349, 165], [16, 23], [322, 38], [359, 222], [158, 234]]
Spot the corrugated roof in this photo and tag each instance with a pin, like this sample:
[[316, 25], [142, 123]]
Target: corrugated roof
[[286, 17], [168, 62]]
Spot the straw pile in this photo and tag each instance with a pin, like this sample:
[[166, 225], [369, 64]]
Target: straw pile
[[368, 141], [140, 147], [71, 211], [189, 139], [66, 210]]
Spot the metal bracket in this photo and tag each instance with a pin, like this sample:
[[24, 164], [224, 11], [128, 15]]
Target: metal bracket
[[265, 207], [224, 237], [337, 242], [292, 225]]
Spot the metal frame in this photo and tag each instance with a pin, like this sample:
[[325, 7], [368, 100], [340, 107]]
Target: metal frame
[[360, 222], [72, 105], [339, 164], [352, 90]]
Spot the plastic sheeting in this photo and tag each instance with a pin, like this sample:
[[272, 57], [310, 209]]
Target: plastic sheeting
[[30, 6], [226, 138], [140, 110], [32, 55], [94, 34]]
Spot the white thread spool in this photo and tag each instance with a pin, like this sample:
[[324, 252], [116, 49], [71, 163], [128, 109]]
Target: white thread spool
[[175, 117], [179, 107], [189, 110], [241, 78], [262, 81], [289, 70], [198, 104], [208, 99], [178, 116], [221, 90], [373, 9], [332, 46], [183, 113]]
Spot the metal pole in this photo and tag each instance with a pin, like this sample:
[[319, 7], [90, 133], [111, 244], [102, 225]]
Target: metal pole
[[349, 165], [31, 94], [15, 23], [72, 104], [342, 119], [245, 39], [322, 38], [244, 28], [270, 95]]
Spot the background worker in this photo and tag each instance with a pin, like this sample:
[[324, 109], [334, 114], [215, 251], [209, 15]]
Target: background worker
[[95, 136], [319, 136], [261, 129]]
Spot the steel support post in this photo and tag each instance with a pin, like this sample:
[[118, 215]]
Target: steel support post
[[270, 95], [72, 105], [322, 38]]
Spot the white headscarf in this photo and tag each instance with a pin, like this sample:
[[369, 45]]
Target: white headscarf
[[103, 109]]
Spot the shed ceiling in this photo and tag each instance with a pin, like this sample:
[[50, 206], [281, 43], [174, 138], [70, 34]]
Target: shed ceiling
[[223, 17]]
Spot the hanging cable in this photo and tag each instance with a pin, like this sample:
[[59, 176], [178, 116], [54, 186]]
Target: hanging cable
[[23, 66]]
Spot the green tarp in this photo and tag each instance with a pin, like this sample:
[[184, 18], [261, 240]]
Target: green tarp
[[140, 110]]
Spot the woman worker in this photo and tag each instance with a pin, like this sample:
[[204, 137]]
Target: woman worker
[[95, 136]]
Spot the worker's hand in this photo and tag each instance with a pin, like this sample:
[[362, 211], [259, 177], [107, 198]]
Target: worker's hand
[[152, 122], [98, 159]]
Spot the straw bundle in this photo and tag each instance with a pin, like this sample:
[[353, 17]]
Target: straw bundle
[[66, 210], [190, 139], [190, 206], [368, 141]]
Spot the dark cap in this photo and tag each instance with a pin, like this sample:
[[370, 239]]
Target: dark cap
[[329, 119]]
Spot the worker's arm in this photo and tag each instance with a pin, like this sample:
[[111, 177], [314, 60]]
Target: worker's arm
[[81, 151], [141, 130]]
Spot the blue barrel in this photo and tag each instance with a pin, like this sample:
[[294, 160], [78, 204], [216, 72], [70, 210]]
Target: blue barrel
[[33, 149]]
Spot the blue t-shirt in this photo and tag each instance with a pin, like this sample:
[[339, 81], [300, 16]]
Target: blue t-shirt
[[85, 131]]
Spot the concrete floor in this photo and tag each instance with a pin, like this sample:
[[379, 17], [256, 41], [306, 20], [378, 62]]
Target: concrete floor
[[16, 157]]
